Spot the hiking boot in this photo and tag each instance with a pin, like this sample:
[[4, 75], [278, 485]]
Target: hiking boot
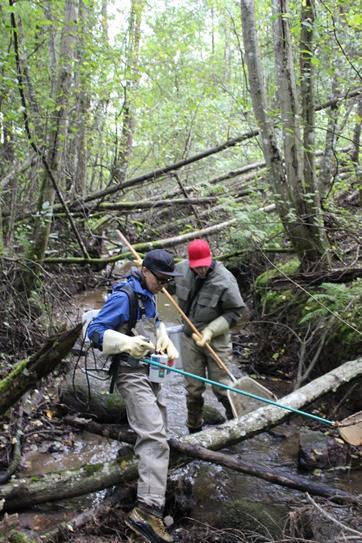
[[149, 526]]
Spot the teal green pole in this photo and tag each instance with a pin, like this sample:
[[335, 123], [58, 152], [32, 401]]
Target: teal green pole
[[242, 392]]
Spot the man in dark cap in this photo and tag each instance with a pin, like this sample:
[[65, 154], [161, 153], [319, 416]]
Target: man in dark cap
[[146, 411]]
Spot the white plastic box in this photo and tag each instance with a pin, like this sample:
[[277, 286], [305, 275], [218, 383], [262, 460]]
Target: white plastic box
[[156, 374]]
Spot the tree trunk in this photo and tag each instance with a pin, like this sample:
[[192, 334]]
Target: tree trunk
[[328, 166], [58, 130], [79, 142], [308, 238], [287, 184], [356, 141], [131, 77]]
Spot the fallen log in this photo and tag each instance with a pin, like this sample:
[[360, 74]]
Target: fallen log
[[344, 275], [93, 514], [28, 372], [94, 477], [28, 491], [91, 478], [88, 396], [266, 417], [272, 475], [156, 174], [234, 462], [146, 246]]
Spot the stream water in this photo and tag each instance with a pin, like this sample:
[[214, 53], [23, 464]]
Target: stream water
[[219, 496]]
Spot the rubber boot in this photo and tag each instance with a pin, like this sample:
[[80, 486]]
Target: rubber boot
[[226, 404], [194, 430], [194, 414]]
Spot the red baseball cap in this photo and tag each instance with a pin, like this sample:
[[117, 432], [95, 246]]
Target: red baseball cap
[[199, 253]]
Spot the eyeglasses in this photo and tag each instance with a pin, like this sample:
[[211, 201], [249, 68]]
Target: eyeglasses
[[162, 280]]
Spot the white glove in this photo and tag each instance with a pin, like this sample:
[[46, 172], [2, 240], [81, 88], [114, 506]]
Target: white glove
[[164, 344], [215, 328], [115, 342]]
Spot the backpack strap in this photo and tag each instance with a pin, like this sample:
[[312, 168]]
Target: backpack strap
[[133, 308]]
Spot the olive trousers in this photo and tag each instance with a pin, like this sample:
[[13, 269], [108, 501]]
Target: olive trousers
[[197, 360]]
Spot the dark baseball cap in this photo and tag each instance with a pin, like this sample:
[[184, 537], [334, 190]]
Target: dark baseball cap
[[160, 261]]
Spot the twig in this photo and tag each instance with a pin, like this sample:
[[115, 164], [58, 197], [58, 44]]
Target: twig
[[334, 520]]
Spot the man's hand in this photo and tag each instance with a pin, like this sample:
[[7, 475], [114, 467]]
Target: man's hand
[[205, 337], [215, 328], [115, 343], [164, 344]]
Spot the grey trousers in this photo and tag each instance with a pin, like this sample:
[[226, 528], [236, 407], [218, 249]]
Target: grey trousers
[[197, 360], [146, 414]]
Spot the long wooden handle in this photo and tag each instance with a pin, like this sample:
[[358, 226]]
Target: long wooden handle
[[215, 356]]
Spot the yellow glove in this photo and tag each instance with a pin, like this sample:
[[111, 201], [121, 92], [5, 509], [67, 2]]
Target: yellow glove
[[215, 328], [115, 342], [164, 344]]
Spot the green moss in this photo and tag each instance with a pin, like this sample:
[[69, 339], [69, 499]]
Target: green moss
[[289, 267], [17, 370], [91, 469], [18, 537], [274, 298], [115, 401]]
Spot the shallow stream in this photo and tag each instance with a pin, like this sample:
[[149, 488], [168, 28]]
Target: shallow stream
[[216, 495]]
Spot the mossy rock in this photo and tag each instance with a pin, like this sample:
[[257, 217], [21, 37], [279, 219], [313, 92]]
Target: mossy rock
[[254, 516]]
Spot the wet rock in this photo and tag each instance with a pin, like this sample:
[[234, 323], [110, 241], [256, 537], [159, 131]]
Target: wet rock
[[180, 500], [254, 516], [56, 448], [310, 524], [319, 451]]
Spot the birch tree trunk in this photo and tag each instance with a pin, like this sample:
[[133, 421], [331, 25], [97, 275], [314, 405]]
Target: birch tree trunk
[[58, 130], [287, 182], [131, 83], [311, 196]]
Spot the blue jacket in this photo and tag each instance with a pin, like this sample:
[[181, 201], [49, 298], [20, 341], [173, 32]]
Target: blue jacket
[[116, 311]]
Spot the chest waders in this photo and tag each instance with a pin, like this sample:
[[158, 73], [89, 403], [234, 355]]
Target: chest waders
[[133, 314]]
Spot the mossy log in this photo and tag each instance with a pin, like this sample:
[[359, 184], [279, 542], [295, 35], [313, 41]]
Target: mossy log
[[91, 478], [27, 373], [89, 396]]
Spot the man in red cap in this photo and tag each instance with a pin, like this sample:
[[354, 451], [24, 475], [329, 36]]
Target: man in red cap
[[209, 295]]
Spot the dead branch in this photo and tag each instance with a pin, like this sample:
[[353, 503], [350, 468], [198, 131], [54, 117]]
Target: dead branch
[[344, 275]]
